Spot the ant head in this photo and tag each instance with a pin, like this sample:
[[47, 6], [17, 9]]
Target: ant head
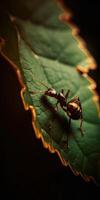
[[51, 92]]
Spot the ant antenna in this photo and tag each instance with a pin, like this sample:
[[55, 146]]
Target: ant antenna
[[39, 82], [36, 92]]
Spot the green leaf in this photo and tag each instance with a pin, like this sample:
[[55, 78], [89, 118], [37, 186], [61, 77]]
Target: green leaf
[[83, 153], [47, 52], [46, 35]]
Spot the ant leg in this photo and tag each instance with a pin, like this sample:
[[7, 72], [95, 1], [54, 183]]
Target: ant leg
[[81, 129], [67, 140], [52, 121], [69, 122], [62, 91], [66, 95], [81, 123], [56, 107]]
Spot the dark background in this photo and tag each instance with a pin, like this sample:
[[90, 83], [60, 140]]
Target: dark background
[[86, 15], [28, 171]]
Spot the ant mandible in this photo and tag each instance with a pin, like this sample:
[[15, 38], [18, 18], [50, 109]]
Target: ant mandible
[[73, 108]]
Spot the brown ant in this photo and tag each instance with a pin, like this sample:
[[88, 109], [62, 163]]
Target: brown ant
[[73, 108]]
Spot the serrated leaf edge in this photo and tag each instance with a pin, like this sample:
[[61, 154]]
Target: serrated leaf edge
[[38, 134], [66, 17]]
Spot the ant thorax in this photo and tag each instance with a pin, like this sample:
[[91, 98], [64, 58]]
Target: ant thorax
[[62, 100]]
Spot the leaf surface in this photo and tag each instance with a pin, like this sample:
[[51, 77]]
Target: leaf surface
[[83, 153], [47, 52]]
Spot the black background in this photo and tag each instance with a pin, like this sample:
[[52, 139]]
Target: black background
[[28, 171], [86, 15]]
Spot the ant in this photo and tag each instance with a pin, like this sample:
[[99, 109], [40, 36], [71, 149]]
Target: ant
[[73, 108]]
